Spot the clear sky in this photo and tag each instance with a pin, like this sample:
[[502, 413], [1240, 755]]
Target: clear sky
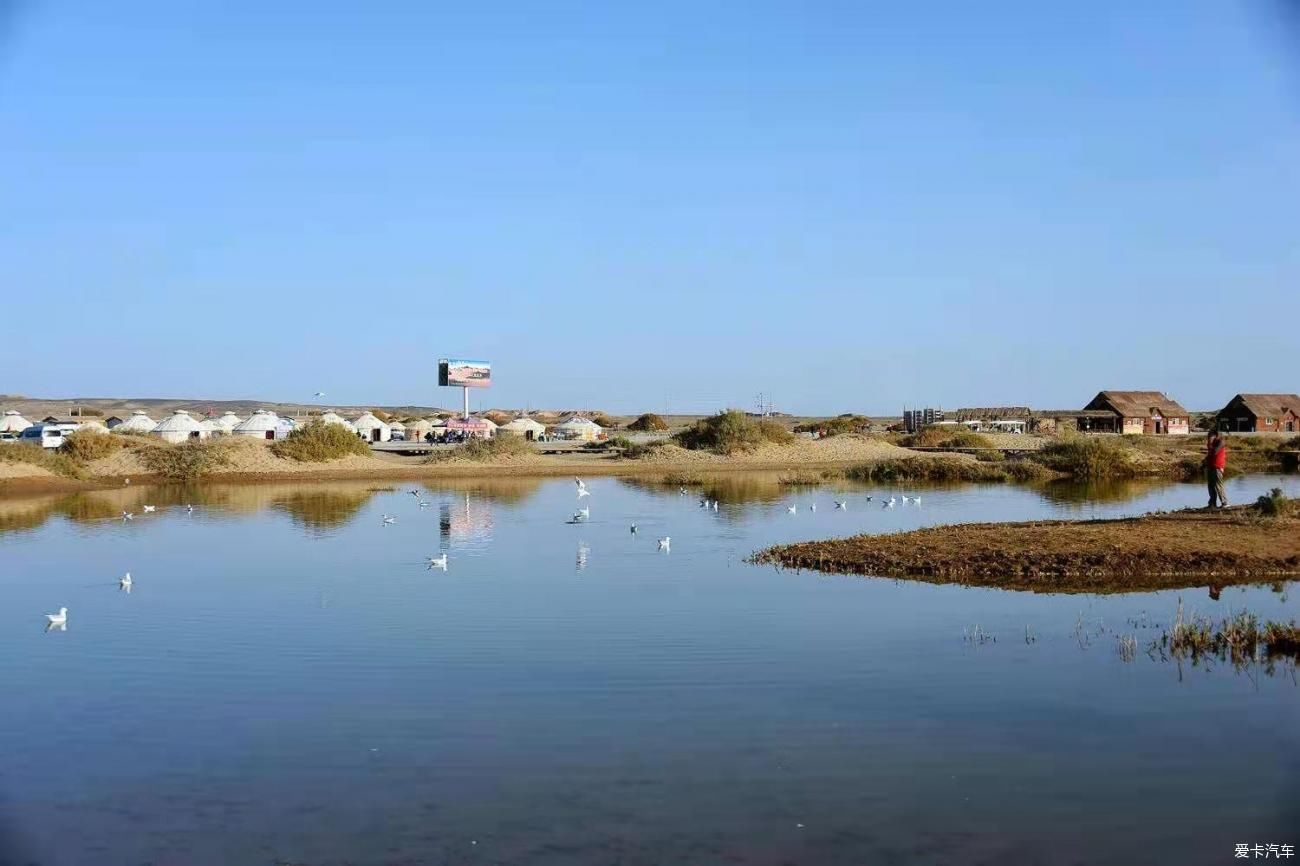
[[635, 206]]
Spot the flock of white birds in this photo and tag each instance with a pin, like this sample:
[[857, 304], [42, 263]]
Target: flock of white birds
[[59, 621]]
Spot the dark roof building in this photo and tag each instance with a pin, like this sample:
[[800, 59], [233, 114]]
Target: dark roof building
[[1260, 413]]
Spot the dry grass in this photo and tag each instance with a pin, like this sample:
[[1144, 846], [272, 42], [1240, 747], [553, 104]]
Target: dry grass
[[319, 443], [837, 426], [944, 437], [486, 450], [938, 469], [44, 458], [648, 423], [84, 447], [1090, 458], [1275, 504], [187, 461]]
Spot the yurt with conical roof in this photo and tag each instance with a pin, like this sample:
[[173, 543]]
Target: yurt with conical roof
[[581, 429], [260, 425], [332, 417], [371, 429], [525, 427], [139, 422], [227, 423], [180, 427], [418, 429], [12, 423]]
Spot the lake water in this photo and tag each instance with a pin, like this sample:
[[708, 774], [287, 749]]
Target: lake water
[[288, 683]]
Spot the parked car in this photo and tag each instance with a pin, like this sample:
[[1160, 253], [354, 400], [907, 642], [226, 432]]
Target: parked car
[[47, 435]]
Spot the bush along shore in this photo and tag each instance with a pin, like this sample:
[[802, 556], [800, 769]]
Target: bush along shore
[[1246, 544]]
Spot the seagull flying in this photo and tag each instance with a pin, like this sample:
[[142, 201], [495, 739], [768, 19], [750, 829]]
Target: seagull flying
[[582, 488]]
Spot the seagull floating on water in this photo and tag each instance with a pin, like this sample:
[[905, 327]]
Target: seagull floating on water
[[414, 493], [438, 562], [792, 509], [906, 499], [584, 513], [388, 520], [681, 491], [916, 500], [812, 506], [666, 543], [632, 529], [582, 488], [715, 505], [58, 618], [189, 509], [126, 515], [841, 506], [149, 509], [125, 582]]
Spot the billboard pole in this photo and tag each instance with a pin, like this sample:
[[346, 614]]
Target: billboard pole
[[465, 391]]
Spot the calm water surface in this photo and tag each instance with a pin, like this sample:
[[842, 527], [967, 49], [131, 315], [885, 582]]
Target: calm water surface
[[288, 683]]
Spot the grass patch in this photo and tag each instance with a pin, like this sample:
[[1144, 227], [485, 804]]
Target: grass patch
[[804, 478], [84, 447], [36, 455], [732, 432], [1089, 457], [944, 437], [1240, 638], [187, 461], [848, 423], [318, 443], [648, 423], [485, 450], [912, 469], [604, 421]]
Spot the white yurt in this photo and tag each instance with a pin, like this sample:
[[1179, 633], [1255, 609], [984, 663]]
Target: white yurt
[[396, 429], [417, 430], [525, 427], [284, 426], [139, 422], [13, 422], [180, 427], [582, 429], [228, 422], [261, 425], [90, 425], [371, 429], [332, 417], [211, 427]]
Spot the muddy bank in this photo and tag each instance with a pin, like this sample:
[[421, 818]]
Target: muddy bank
[[1160, 551]]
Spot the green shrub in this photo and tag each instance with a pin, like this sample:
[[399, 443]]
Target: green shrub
[[836, 426], [187, 461], [1090, 457], [1275, 504], [318, 442], [84, 447], [940, 469], [648, 423], [731, 432], [36, 455]]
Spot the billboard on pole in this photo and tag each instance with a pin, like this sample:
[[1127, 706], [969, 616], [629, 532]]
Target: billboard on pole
[[459, 372]]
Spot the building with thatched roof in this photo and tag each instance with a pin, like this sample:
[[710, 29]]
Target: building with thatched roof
[[179, 428], [1260, 413], [1135, 413]]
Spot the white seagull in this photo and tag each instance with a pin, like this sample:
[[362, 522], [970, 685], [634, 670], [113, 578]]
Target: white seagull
[[189, 509], [906, 499], [388, 520], [584, 513], [916, 500], [438, 562], [792, 509], [632, 529], [841, 506], [666, 543], [715, 505], [319, 394], [889, 504], [126, 515], [58, 618], [125, 582], [868, 498], [582, 488], [812, 506], [149, 509]]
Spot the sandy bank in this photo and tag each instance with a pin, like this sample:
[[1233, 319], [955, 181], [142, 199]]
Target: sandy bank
[[1161, 551]]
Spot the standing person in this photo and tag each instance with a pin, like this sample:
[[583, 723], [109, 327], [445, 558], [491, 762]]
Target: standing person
[[1216, 460]]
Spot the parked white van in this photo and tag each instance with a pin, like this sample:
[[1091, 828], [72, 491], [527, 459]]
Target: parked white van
[[47, 435]]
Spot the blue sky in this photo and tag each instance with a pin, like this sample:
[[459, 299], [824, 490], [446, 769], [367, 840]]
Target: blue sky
[[847, 206]]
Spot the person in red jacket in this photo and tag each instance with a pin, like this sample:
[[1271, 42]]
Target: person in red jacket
[[1216, 460]]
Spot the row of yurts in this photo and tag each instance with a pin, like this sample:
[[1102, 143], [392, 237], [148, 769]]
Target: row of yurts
[[265, 424]]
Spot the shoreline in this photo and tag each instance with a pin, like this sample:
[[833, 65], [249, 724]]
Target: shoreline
[[1171, 550]]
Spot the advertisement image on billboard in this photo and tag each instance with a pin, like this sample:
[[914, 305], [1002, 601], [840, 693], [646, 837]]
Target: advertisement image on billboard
[[458, 372]]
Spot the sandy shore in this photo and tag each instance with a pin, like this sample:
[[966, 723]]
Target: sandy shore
[[1159, 551]]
